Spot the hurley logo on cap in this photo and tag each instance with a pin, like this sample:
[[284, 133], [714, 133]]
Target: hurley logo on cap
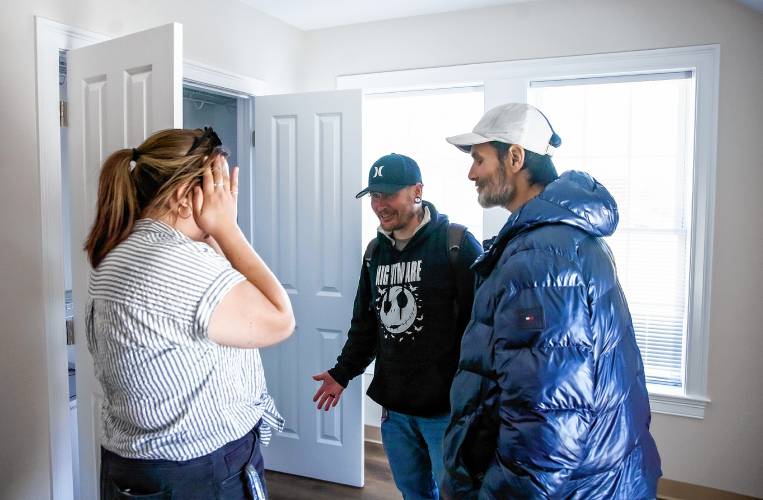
[[391, 173]]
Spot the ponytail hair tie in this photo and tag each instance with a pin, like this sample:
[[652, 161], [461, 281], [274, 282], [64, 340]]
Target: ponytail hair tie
[[134, 160]]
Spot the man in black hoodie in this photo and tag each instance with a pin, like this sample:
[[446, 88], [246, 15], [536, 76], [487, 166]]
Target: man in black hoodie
[[413, 302]]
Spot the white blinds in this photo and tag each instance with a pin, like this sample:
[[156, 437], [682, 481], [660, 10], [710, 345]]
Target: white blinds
[[635, 137]]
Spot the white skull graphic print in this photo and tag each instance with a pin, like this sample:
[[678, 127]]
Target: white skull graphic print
[[398, 302]]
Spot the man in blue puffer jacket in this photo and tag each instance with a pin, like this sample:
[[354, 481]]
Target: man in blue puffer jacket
[[550, 399]]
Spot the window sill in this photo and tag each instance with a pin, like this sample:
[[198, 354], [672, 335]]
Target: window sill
[[678, 405]]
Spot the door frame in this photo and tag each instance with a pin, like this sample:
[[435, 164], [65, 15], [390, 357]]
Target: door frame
[[52, 37]]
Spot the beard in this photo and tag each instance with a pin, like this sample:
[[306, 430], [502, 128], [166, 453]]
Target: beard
[[400, 221], [496, 190]]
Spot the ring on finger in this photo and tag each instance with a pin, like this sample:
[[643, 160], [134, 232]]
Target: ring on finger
[[219, 184]]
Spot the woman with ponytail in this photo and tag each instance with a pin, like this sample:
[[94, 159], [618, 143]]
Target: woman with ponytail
[[179, 303]]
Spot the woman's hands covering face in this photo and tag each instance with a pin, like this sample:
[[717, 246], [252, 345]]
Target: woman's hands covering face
[[215, 201]]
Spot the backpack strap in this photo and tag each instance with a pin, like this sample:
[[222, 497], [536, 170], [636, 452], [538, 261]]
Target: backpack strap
[[370, 252], [456, 234], [367, 256]]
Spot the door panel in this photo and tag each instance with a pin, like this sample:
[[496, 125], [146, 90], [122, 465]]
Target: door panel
[[121, 91], [307, 227]]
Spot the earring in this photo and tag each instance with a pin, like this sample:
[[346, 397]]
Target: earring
[[180, 211], [417, 200]]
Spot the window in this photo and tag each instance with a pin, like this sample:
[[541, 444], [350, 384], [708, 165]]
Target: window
[[415, 124], [645, 124], [636, 138]]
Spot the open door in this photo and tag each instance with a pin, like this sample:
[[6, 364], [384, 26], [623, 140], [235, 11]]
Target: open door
[[307, 227], [121, 91]]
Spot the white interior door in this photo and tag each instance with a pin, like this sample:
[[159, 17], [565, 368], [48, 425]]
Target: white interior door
[[120, 92], [307, 226]]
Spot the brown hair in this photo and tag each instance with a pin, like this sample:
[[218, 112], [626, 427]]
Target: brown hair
[[166, 160], [540, 168]]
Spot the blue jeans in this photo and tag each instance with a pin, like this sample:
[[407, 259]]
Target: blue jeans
[[232, 472], [414, 450]]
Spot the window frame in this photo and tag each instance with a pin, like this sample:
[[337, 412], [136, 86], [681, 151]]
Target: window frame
[[509, 81]]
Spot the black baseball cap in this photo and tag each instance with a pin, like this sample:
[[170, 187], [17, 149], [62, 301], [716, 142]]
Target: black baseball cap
[[391, 173]]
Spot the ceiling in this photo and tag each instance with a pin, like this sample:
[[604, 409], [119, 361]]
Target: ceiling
[[316, 14]]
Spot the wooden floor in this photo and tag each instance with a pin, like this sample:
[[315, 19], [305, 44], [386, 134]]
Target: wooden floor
[[379, 483]]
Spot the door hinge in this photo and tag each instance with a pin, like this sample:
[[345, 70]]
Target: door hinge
[[69, 332], [252, 138], [63, 114]]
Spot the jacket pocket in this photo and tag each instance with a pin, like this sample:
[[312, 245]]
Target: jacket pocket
[[470, 442], [458, 472]]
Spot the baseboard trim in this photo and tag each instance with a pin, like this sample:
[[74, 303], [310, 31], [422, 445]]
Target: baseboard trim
[[373, 434], [669, 489]]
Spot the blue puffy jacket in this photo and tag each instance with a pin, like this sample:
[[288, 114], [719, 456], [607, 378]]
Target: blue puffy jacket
[[550, 399]]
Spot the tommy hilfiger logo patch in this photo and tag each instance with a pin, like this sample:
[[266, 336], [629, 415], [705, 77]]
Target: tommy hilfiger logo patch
[[530, 318]]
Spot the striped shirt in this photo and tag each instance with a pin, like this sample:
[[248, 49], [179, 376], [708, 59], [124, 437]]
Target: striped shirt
[[170, 392]]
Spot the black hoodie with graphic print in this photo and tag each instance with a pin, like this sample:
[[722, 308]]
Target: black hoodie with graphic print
[[411, 309]]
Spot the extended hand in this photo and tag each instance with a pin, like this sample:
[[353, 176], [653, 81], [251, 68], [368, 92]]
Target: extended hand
[[329, 392]]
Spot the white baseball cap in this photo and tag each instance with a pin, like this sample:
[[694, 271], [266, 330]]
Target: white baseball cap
[[512, 123]]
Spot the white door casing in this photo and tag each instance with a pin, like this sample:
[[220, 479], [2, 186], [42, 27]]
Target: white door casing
[[307, 227], [120, 91]]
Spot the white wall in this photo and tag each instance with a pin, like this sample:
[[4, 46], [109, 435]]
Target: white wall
[[725, 449], [223, 33]]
